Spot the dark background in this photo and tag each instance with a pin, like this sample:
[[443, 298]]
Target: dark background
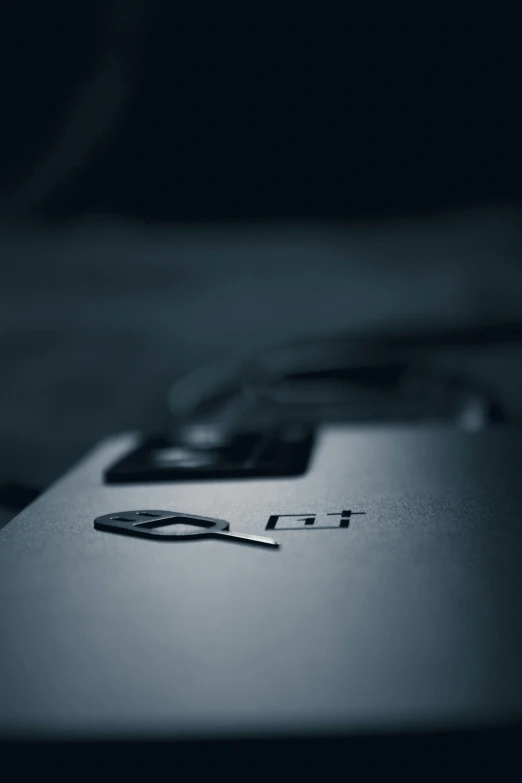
[[246, 111], [182, 180]]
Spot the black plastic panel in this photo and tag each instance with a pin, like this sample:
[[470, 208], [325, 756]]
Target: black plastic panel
[[282, 452]]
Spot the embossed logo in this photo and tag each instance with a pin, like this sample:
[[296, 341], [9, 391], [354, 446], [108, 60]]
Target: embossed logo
[[335, 520]]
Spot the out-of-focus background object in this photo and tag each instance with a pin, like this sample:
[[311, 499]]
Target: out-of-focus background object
[[179, 182]]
